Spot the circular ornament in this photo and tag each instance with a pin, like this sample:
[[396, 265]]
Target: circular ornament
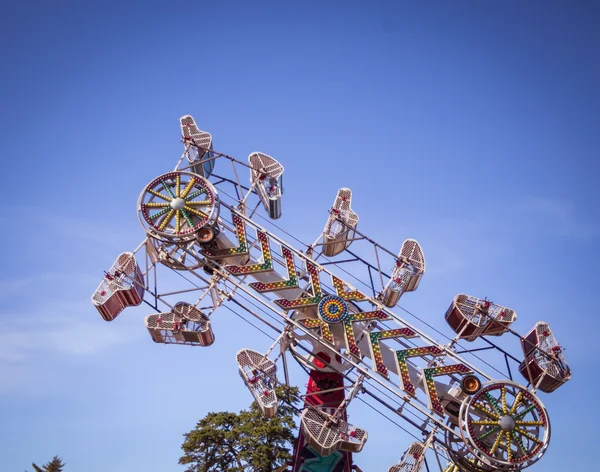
[[332, 309], [177, 204], [505, 425]]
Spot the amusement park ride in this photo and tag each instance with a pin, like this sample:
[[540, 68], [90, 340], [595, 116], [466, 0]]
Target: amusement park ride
[[202, 221]]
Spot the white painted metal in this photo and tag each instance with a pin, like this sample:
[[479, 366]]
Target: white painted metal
[[259, 374], [184, 324], [326, 433], [407, 273], [198, 147], [122, 286], [412, 459], [339, 229], [266, 175]]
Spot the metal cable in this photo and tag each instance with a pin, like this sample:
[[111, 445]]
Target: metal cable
[[369, 287], [388, 418], [250, 323]]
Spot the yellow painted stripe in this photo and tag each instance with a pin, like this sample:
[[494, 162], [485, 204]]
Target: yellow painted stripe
[[166, 220], [530, 423], [196, 212], [497, 442], [527, 435], [188, 187], [485, 410], [516, 403], [159, 195], [199, 202]]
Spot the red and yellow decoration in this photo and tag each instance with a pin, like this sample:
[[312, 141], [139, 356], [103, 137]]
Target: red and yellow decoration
[[324, 328], [291, 282], [265, 266], [240, 250], [317, 292], [341, 291], [429, 374], [374, 339], [405, 383], [351, 345]]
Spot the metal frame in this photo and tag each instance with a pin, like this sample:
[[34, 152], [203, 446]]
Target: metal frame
[[212, 283]]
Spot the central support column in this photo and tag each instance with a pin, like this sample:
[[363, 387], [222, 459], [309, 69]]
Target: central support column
[[305, 459]]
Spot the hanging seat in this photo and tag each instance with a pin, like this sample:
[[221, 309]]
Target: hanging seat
[[122, 286], [412, 459], [407, 273], [259, 374], [184, 324], [543, 359], [341, 224], [327, 434], [471, 317], [266, 174], [200, 154]]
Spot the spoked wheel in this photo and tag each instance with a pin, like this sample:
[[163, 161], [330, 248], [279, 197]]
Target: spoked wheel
[[176, 205], [175, 255], [463, 459], [505, 425]]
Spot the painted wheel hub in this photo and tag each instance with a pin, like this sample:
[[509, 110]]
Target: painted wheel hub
[[333, 309], [177, 204], [507, 423]]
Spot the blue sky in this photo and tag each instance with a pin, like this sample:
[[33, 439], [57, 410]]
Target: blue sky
[[470, 126]]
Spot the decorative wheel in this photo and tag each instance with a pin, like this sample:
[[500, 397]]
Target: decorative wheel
[[332, 309], [505, 425], [461, 457], [177, 204]]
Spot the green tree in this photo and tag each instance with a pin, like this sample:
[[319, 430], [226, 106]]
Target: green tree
[[55, 465], [244, 441]]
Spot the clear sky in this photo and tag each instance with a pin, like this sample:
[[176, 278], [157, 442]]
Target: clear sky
[[470, 126]]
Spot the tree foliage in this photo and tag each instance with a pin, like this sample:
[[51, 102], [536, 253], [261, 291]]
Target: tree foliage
[[244, 441], [55, 465]]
